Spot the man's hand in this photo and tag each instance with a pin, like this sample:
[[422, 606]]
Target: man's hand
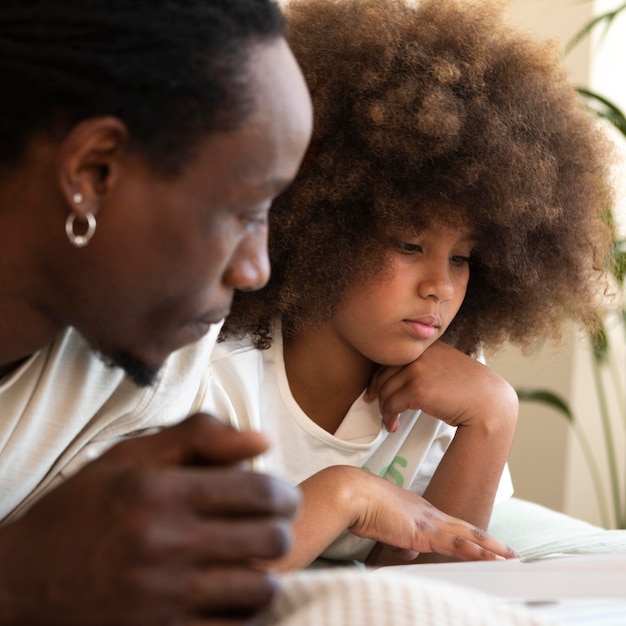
[[161, 529]]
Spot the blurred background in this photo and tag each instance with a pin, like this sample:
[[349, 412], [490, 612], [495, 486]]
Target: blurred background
[[573, 458]]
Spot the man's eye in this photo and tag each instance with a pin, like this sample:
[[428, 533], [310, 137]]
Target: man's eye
[[254, 222]]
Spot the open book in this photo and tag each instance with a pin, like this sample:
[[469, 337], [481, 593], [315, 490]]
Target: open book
[[573, 589]]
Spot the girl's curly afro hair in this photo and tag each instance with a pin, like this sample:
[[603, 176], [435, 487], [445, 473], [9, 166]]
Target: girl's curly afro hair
[[438, 111]]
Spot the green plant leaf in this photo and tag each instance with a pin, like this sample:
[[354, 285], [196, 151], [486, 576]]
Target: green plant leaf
[[599, 345], [606, 19], [619, 254], [546, 397], [554, 401], [604, 108]]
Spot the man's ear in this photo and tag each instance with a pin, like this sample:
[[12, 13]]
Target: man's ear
[[90, 161]]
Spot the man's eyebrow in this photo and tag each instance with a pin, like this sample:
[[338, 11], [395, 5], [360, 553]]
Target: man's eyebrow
[[274, 186]]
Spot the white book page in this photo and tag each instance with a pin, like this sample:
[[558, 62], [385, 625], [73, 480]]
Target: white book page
[[572, 589]]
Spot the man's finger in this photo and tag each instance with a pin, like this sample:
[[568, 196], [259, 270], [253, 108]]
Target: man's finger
[[198, 440], [225, 589], [237, 492]]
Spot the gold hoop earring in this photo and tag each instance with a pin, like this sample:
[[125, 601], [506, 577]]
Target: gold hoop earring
[[80, 241]]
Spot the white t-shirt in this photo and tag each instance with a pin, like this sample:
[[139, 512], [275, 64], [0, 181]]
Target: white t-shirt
[[65, 406], [248, 388]]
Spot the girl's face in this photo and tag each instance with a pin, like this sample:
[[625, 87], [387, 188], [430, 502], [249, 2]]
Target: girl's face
[[394, 318]]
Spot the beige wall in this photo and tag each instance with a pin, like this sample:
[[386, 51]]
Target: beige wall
[[559, 20]]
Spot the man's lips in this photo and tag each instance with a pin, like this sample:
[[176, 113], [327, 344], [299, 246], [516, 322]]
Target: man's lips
[[205, 322], [196, 328]]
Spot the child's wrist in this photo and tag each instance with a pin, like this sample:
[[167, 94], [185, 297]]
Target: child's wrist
[[348, 491]]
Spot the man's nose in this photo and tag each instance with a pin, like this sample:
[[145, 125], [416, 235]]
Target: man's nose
[[249, 268]]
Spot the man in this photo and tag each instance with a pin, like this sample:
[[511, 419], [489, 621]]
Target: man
[[141, 146]]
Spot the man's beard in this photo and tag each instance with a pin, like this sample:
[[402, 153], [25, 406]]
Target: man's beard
[[142, 374]]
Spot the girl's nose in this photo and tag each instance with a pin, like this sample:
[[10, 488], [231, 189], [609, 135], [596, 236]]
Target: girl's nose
[[436, 283]]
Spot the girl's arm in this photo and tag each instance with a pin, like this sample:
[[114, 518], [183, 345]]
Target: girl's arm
[[462, 392], [345, 497]]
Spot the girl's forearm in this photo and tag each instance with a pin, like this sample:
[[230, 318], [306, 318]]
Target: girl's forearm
[[467, 478], [328, 508]]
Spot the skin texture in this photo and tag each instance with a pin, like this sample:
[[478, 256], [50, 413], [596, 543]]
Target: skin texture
[[163, 529]]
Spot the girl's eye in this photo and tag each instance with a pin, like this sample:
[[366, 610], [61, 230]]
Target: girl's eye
[[408, 248]]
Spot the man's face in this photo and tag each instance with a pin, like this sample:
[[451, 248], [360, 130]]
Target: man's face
[[169, 252]]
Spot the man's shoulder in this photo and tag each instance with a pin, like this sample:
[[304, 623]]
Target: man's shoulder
[[236, 354]]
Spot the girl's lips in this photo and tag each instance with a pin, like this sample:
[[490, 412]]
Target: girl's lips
[[423, 328]]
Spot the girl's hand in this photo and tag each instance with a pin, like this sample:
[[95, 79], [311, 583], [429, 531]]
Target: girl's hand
[[344, 497], [401, 519], [444, 383]]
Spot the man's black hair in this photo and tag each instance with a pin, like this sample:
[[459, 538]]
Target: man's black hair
[[171, 70]]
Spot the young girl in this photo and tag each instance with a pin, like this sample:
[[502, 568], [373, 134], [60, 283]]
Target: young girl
[[453, 197]]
